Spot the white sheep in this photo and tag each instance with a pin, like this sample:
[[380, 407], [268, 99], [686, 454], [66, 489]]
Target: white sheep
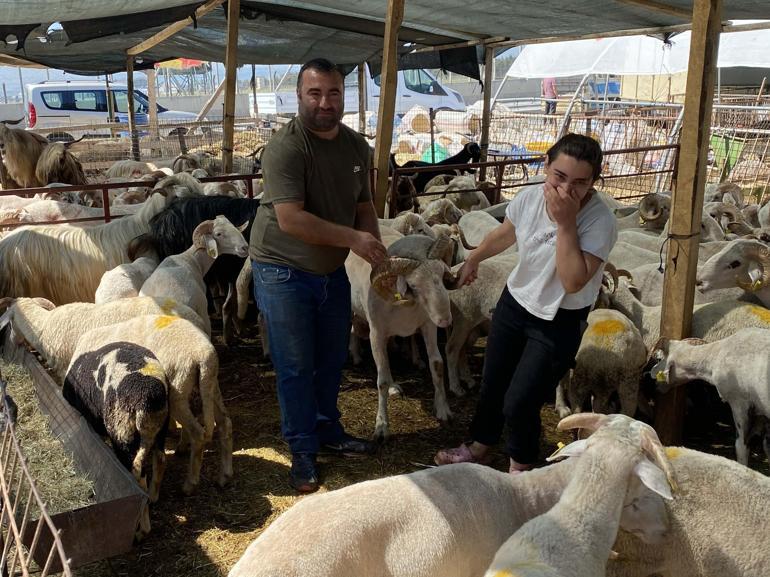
[[408, 223], [180, 276], [441, 211], [732, 365], [446, 521], [126, 280], [191, 365], [610, 360], [575, 537], [717, 523], [54, 331], [65, 264], [742, 263]]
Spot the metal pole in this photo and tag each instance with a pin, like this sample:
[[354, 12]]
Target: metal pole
[[21, 85], [432, 117]]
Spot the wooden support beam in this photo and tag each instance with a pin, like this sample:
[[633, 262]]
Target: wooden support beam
[[687, 203], [254, 93], [387, 106], [172, 29], [659, 7], [362, 97], [131, 109], [152, 96], [233, 14], [486, 115], [212, 99], [461, 44]]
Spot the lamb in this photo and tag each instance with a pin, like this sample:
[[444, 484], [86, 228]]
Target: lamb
[[126, 280], [54, 331], [716, 523], [610, 359], [575, 537], [710, 322], [745, 263], [732, 365], [180, 276], [122, 391], [83, 255], [20, 150], [446, 521], [191, 366]]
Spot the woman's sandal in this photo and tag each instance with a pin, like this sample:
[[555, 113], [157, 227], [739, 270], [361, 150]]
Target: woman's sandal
[[518, 468], [461, 454]]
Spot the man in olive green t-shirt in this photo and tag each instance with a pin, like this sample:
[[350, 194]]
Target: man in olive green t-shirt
[[317, 207]]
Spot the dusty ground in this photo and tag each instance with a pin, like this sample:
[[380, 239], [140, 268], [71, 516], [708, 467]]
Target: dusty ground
[[205, 534]]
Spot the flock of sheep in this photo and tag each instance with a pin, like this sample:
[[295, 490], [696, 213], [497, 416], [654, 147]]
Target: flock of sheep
[[119, 311]]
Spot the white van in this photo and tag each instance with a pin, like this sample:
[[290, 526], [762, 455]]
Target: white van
[[76, 102], [415, 87]]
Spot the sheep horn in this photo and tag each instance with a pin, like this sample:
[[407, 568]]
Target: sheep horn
[[623, 272], [459, 232], [441, 249], [694, 341], [451, 279], [760, 254], [739, 227], [71, 142], [660, 344], [649, 207], [590, 421], [204, 228], [610, 269], [652, 446], [383, 278], [44, 303]]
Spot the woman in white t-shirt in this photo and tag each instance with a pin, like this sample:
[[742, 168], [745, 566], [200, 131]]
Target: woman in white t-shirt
[[564, 234]]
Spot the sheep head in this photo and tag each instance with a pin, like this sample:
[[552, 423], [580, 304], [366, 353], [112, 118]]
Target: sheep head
[[654, 209], [220, 236], [743, 263], [757, 275]]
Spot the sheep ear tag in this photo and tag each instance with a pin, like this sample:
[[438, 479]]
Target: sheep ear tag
[[211, 247], [653, 478], [755, 276], [572, 450]]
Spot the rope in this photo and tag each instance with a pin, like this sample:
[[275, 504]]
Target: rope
[[676, 237]]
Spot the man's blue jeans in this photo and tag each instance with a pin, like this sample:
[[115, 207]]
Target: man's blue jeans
[[308, 324]]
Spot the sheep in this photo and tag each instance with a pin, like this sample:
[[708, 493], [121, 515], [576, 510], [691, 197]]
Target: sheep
[[575, 537], [172, 230], [723, 213], [191, 366], [222, 189], [53, 210], [478, 224], [404, 294], [648, 279], [716, 523], [57, 164], [65, 264], [446, 521], [732, 365], [710, 322], [182, 184], [610, 359], [745, 263], [408, 223], [470, 151], [20, 150], [441, 211], [654, 210], [763, 215], [180, 276], [122, 391], [126, 280], [53, 331], [724, 192], [123, 169]]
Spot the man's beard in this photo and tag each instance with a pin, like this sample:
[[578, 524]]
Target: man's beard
[[320, 123]]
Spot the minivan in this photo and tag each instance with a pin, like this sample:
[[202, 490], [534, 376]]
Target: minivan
[[415, 87], [75, 103]]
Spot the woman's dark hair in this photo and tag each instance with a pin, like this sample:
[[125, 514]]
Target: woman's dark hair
[[319, 65], [579, 147]]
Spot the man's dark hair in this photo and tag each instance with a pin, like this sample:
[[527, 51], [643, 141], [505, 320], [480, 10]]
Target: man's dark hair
[[579, 147], [319, 65]]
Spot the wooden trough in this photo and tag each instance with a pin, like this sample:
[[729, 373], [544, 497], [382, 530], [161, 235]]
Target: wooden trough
[[105, 528]]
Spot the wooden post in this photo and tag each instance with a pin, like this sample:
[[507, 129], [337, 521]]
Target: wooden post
[[233, 13], [210, 102], [687, 203], [486, 115], [110, 103], [152, 96], [131, 111], [254, 93], [362, 98], [387, 106]]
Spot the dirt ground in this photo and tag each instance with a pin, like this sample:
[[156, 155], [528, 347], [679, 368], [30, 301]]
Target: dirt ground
[[205, 534]]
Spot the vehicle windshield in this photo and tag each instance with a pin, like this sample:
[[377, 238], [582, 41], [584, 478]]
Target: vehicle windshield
[[142, 99]]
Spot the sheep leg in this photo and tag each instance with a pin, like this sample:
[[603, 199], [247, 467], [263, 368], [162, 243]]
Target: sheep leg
[[466, 376], [415, 351], [440, 404], [183, 446], [454, 349], [158, 471], [180, 410], [601, 403], [225, 436], [741, 418], [354, 347], [561, 402], [227, 315], [242, 284], [628, 391], [577, 397], [144, 523], [384, 380]]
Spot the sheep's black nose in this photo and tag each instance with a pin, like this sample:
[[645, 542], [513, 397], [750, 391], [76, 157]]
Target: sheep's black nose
[[698, 282]]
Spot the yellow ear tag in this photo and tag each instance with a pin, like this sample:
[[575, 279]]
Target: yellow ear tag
[[397, 296], [756, 285], [660, 377], [560, 445]]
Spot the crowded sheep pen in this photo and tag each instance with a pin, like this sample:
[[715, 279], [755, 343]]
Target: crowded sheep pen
[[383, 333]]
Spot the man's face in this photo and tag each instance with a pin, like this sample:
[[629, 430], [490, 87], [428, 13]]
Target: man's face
[[321, 99]]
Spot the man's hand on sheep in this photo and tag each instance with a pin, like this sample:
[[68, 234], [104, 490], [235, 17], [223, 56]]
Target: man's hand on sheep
[[368, 247]]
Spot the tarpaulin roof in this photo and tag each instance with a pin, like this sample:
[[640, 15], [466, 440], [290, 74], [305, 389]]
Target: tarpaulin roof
[[96, 33]]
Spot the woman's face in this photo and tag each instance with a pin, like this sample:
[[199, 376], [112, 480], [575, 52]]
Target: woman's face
[[569, 174]]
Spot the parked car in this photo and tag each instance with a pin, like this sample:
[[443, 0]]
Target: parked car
[[76, 103], [415, 87]]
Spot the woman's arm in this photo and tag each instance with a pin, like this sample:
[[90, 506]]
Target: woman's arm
[[494, 243]]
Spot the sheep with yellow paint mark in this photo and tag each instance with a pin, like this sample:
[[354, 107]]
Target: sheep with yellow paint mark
[[610, 360], [191, 365]]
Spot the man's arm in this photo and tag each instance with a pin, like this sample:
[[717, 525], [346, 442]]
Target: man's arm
[[294, 220], [366, 219]]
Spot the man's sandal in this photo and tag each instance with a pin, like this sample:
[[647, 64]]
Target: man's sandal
[[461, 454]]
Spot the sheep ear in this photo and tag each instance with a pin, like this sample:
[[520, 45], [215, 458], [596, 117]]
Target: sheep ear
[[401, 286], [572, 450], [243, 226], [653, 478], [211, 246]]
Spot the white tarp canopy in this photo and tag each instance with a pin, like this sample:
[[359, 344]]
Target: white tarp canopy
[[634, 55]]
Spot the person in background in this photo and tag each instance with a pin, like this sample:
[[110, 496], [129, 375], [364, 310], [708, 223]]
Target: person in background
[[317, 207], [549, 94], [564, 234]]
